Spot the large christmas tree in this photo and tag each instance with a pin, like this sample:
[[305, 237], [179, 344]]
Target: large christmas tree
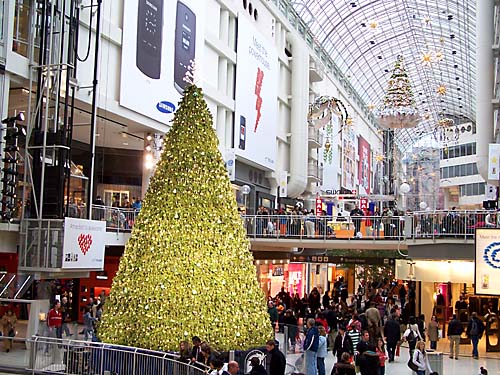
[[187, 269]]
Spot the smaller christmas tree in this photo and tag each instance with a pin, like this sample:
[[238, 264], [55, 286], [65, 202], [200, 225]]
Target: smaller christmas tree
[[398, 108]]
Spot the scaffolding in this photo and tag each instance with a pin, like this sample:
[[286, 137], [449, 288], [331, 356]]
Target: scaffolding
[[47, 164]]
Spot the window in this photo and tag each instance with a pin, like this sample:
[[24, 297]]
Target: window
[[478, 188]]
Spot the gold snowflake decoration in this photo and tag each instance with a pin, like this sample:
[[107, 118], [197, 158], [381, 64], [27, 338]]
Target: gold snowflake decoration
[[441, 90], [426, 58]]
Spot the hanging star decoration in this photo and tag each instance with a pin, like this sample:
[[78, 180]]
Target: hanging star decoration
[[426, 58], [373, 24], [441, 90]]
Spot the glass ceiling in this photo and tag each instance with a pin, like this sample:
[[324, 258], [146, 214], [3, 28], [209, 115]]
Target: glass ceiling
[[364, 38]]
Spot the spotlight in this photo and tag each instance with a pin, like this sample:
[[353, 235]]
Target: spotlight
[[18, 117], [149, 137]]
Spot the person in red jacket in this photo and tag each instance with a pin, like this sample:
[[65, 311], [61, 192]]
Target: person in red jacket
[[54, 320]]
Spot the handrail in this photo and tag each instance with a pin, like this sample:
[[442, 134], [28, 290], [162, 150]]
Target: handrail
[[416, 225], [50, 355]]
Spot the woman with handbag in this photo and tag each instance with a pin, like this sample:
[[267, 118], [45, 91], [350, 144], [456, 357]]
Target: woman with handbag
[[9, 321], [420, 360]]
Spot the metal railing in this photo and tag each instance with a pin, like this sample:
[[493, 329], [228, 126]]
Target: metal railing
[[51, 355], [416, 225]]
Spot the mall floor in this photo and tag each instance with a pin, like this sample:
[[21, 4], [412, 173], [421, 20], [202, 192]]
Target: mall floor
[[465, 365]]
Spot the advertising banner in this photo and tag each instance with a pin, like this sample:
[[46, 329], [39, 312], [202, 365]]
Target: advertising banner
[[161, 38], [493, 161], [487, 262], [364, 166], [348, 158], [283, 183], [83, 246], [256, 97], [231, 164]]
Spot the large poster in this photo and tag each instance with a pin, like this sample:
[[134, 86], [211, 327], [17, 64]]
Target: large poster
[[83, 246], [493, 161], [256, 96], [487, 264], [364, 166], [161, 38], [348, 159]]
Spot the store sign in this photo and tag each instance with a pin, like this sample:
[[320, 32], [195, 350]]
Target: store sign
[[319, 206], [342, 260], [363, 204], [487, 262], [83, 246]]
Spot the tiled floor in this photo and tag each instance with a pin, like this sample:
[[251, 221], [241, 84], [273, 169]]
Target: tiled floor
[[464, 366]]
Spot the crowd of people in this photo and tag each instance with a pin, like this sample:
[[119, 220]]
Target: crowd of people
[[390, 223], [365, 331]]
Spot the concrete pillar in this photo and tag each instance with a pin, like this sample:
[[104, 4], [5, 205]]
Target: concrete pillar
[[224, 26], [220, 128], [484, 82]]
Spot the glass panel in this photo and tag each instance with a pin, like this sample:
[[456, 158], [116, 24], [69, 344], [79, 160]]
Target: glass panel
[[21, 27], [2, 9]]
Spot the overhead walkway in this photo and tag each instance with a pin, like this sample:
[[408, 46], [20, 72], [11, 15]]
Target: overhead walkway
[[424, 235]]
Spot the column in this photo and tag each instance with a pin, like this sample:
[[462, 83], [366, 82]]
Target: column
[[484, 82]]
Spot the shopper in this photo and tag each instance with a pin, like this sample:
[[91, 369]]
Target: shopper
[[9, 321], [392, 334], [344, 366], [54, 320], [455, 330], [412, 334], [322, 351], [381, 355], [233, 367], [277, 362], [88, 324], [311, 343], [420, 359], [475, 330], [342, 344], [433, 332]]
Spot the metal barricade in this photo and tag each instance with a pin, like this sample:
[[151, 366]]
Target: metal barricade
[[435, 361], [72, 357]]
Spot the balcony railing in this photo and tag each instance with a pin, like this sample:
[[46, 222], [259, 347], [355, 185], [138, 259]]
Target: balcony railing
[[422, 224], [315, 137]]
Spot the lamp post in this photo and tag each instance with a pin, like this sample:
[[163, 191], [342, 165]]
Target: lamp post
[[245, 190]]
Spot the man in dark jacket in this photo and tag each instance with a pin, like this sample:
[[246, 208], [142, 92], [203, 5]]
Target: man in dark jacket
[[455, 330], [277, 363], [475, 330], [392, 334], [342, 344]]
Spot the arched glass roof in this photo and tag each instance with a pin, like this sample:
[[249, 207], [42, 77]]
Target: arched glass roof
[[364, 38]]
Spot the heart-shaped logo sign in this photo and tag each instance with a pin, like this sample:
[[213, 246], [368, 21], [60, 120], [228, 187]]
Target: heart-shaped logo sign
[[85, 241]]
